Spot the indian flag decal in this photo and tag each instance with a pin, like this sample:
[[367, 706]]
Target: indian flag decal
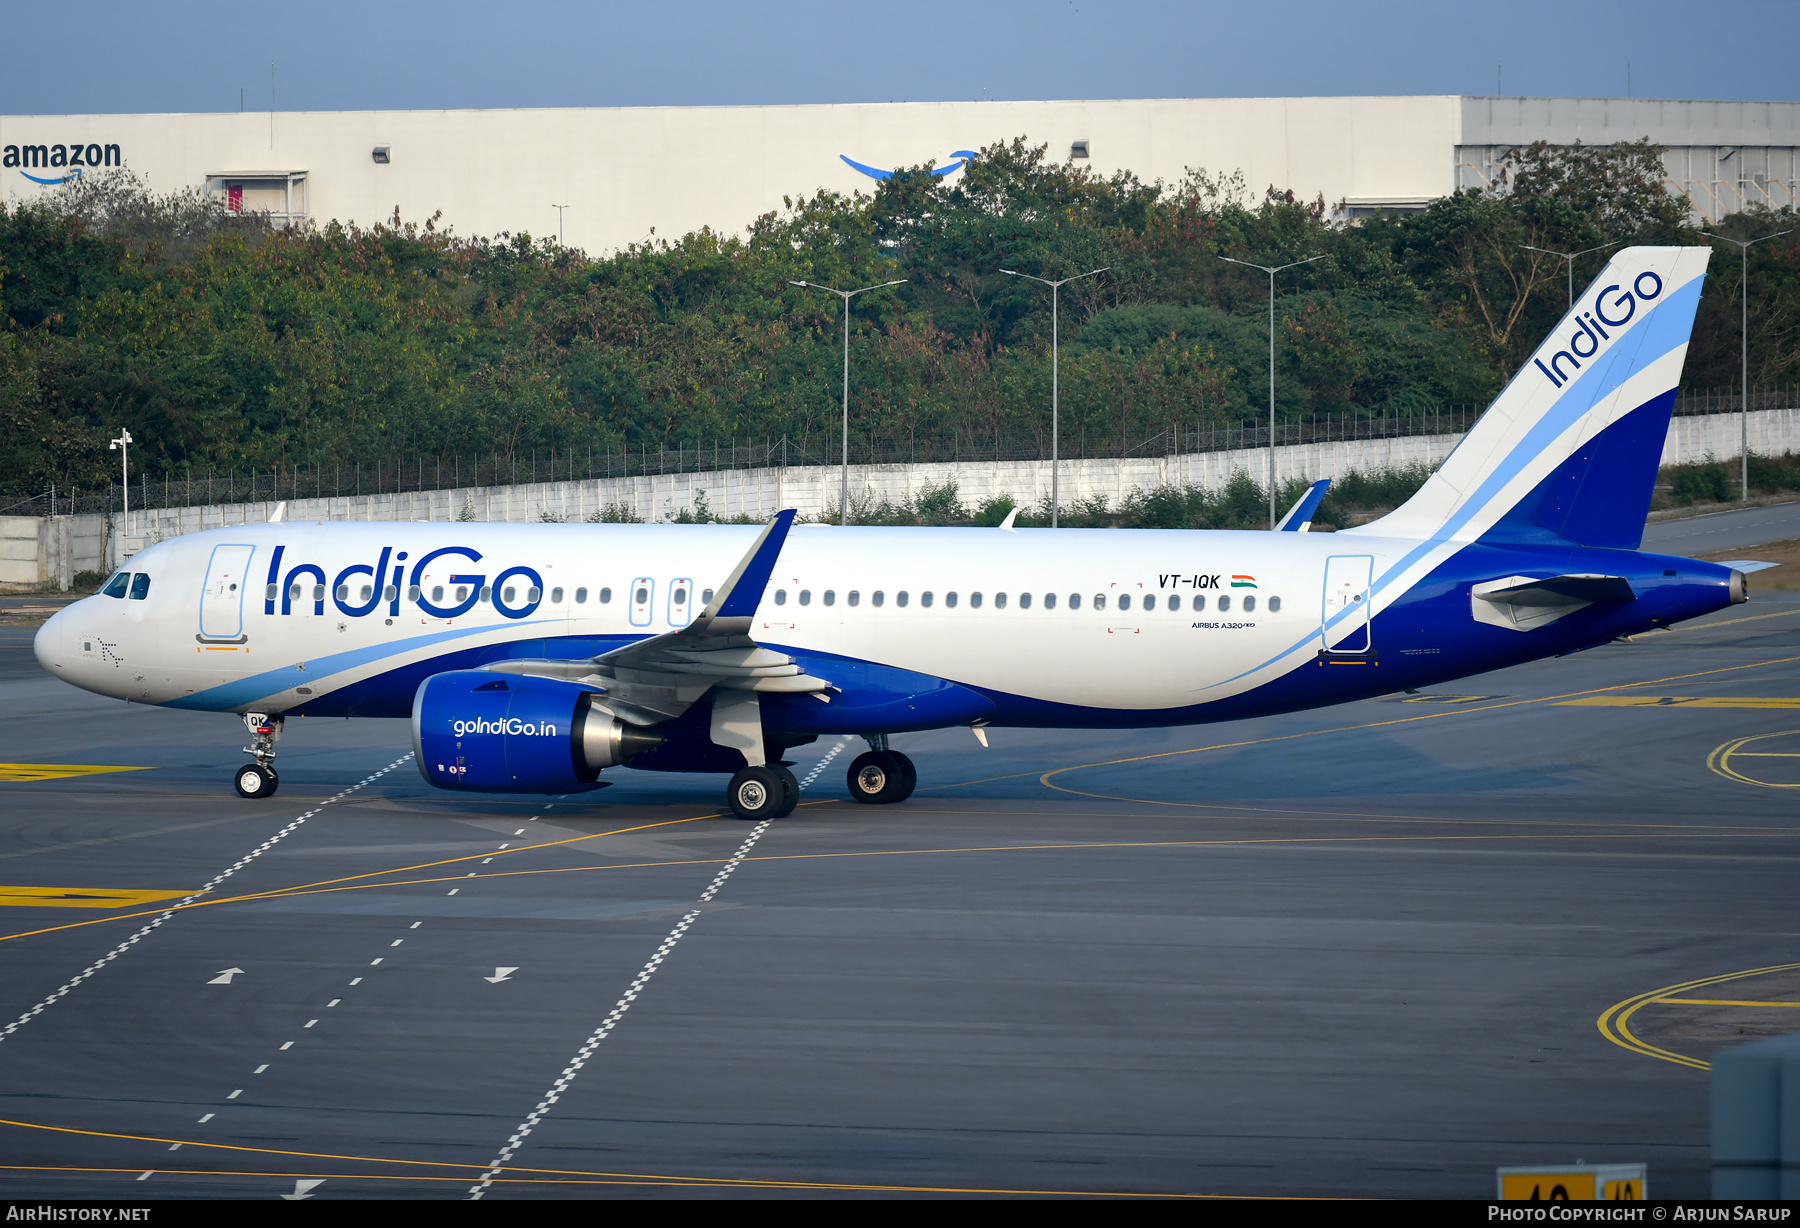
[[1243, 582]]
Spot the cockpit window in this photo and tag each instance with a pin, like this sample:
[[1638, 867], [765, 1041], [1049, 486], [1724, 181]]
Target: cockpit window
[[140, 586], [116, 586]]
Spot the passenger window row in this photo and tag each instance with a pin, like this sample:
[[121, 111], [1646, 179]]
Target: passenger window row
[[457, 593], [952, 600], [139, 588], [439, 593]]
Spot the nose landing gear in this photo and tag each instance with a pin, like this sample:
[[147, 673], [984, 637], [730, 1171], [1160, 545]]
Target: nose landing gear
[[258, 780]]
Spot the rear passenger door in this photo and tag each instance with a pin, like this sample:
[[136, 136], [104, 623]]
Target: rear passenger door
[[1344, 620]]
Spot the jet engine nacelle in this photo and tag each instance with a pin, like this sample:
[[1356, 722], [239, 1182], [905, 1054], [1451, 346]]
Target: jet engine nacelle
[[513, 733]]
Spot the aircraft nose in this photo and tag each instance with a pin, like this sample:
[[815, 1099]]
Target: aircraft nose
[[48, 644]]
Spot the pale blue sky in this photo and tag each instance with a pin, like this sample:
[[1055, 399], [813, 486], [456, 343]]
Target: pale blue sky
[[110, 55]]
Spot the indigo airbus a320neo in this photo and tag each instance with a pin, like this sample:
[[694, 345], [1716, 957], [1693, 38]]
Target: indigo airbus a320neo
[[532, 657]]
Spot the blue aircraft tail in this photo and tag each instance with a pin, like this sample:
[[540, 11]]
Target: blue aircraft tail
[[1568, 452]]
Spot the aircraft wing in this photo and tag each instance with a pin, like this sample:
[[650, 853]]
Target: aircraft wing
[[659, 678]]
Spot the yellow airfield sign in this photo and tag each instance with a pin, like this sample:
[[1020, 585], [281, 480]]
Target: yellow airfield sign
[[1571, 1183]]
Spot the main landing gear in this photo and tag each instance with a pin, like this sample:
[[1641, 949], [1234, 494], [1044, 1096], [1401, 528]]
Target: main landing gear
[[767, 791], [880, 776], [258, 780]]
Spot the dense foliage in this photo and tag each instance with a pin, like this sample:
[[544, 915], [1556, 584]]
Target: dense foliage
[[220, 342]]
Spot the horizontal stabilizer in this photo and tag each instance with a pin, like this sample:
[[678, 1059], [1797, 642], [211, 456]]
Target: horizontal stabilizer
[[1747, 565], [1299, 517], [1524, 603]]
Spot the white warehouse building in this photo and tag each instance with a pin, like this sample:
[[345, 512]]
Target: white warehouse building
[[621, 173]]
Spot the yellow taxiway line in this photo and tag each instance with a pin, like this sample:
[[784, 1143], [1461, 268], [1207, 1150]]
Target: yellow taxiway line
[[1615, 1021], [59, 771]]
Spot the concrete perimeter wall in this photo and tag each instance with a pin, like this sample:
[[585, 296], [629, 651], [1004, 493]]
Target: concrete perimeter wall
[[38, 550], [50, 550]]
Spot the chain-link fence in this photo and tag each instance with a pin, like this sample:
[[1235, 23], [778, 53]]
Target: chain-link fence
[[187, 487]]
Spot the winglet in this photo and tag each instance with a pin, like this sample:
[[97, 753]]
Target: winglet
[[275, 516], [742, 591], [1011, 516], [1299, 517]]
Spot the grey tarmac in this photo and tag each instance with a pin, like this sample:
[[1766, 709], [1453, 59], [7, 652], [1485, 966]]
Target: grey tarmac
[[1358, 951]]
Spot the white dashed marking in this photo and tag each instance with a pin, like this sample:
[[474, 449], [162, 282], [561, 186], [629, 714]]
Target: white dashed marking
[[611, 1021], [132, 941], [636, 987], [824, 763]]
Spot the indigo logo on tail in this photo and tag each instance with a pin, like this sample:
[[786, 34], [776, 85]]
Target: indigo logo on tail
[[1614, 307], [959, 159]]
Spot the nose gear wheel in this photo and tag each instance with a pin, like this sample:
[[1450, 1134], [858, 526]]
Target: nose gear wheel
[[254, 781]]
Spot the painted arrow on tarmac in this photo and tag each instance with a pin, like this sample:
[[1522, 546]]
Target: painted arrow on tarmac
[[224, 978], [500, 974], [303, 1189]]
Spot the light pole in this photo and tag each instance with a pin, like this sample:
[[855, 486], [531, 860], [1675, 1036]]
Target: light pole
[[559, 223], [846, 295], [1744, 246], [1569, 259], [122, 445], [1055, 291], [1271, 272]]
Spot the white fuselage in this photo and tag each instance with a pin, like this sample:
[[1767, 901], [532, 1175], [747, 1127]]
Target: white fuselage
[[1123, 620]]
